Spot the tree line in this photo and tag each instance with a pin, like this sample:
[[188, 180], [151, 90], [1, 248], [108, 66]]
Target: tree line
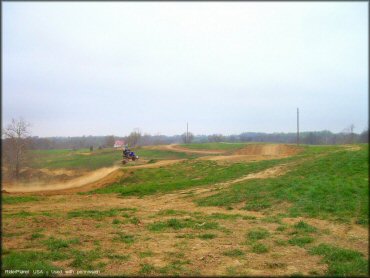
[[16, 140]]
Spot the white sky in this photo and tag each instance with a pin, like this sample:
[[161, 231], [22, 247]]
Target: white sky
[[94, 68]]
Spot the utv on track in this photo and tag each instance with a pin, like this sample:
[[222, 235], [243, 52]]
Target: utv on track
[[129, 155]]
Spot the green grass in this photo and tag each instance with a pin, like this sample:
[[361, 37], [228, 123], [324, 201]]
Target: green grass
[[97, 214], [257, 234], [20, 214], [42, 260], [281, 228], [37, 235], [342, 262], [207, 236], [134, 220], [304, 227], [332, 186], [56, 244], [146, 254], [116, 221], [85, 259], [272, 219], [24, 214], [19, 199], [301, 241], [233, 253], [80, 159], [249, 217], [259, 248], [125, 238], [224, 216], [174, 268], [178, 224], [180, 176], [28, 260], [163, 154], [146, 269], [84, 159]]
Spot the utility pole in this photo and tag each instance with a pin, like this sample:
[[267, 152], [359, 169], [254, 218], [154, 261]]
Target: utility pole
[[298, 126], [187, 132]]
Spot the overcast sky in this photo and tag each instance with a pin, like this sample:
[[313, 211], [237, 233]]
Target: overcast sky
[[94, 68]]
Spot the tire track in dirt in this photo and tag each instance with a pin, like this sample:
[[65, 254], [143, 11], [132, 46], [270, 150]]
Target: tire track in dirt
[[202, 191]]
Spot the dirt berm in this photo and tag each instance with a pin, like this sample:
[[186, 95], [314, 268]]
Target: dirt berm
[[269, 149]]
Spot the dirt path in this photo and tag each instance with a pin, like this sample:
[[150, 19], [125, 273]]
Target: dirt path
[[104, 176], [178, 148], [107, 176], [91, 181]]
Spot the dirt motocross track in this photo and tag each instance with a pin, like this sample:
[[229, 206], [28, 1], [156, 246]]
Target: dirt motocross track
[[105, 176], [180, 252]]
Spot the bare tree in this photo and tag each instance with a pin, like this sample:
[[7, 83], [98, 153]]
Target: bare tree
[[216, 138], [15, 146], [134, 138]]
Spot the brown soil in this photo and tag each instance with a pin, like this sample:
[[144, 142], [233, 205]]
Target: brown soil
[[32, 175], [204, 257], [178, 148], [269, 150]]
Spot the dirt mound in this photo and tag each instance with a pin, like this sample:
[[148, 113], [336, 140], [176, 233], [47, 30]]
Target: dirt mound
[[43, 185], [269, 150], [89, 181], [178, 148], [46, 175]]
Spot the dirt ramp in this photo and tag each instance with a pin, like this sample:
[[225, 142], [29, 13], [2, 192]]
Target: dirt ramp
[[179, 148], [44, 186], [269, 150]]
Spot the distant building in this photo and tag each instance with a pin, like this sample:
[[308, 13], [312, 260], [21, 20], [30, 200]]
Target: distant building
[[119, 144]]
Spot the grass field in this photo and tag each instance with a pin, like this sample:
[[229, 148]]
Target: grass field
[[306, 214], [181, 175], [86, 160], [79, 159], [334, 186]]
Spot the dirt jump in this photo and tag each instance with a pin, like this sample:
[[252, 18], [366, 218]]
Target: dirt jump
[[91, 181], [105, 176], [257, 153], [178, 148]]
